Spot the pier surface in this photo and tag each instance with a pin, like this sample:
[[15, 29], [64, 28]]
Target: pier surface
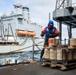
[[33, 69]]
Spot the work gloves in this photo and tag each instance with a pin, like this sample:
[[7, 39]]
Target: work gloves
[[42, 34], [53, 35], [50, 35]]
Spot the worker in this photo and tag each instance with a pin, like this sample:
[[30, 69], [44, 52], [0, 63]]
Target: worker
[[50, 32]]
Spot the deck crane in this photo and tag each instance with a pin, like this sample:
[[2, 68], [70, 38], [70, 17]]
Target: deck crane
[[63, 4], [63, 14]]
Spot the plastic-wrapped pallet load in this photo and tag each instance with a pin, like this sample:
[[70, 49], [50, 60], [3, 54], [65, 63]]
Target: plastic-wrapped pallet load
[[61, 54], [53, 42], [46, 53], [70, 55], [74, 54], [72, 49], [53, 54], [73, 42]]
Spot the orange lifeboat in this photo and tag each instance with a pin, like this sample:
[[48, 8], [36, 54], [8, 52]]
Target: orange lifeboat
[[32, 33], [22, 32], [27, 33]]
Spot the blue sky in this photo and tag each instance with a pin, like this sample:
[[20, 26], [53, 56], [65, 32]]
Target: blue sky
[[39, 10]]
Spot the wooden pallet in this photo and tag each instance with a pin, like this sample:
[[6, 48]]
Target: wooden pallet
[[72, 47], [64, 62], [45, 64], [63, 67]]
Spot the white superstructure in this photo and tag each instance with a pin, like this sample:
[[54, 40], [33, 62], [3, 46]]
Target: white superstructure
[[11, 40]]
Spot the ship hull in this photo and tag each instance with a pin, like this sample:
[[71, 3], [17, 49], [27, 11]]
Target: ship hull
[[28, 46]]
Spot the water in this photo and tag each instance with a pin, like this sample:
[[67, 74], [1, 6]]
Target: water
[[19, 57]]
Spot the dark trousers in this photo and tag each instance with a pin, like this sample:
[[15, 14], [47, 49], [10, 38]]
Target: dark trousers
[[46, 42], [42, 53]]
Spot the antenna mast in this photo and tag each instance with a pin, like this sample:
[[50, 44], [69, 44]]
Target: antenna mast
[[17, 6]]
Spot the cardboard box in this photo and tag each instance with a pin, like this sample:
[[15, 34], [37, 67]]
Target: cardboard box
[[53, 42]]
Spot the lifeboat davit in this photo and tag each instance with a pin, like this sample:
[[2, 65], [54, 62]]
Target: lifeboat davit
[[27, 33]]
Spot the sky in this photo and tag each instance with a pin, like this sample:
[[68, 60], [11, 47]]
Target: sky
[[39, 11]]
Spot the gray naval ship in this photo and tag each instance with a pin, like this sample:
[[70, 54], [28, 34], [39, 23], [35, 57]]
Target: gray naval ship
[[17, 33]]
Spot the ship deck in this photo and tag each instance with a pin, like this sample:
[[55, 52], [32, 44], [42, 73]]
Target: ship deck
[[33, 69]]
